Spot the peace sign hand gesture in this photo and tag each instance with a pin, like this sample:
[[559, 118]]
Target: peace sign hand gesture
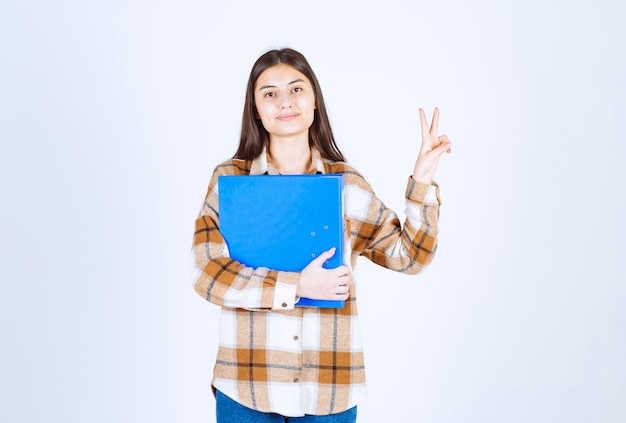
[[433, 147]]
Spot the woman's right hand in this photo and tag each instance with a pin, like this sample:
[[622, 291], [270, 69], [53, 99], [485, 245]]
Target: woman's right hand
[[319, 283]]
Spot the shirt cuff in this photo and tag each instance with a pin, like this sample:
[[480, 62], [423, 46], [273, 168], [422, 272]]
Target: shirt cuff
[[285, 290], [418, 192]]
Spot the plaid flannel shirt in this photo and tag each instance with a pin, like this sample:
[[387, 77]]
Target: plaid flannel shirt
[[274, 357]]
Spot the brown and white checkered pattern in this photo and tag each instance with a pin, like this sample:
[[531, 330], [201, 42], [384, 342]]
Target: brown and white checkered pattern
[[274, 357]]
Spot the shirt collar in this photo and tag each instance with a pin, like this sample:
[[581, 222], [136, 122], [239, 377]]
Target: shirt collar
[[263, 164]]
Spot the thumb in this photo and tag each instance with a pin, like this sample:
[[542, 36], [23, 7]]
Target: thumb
[[324, 256]]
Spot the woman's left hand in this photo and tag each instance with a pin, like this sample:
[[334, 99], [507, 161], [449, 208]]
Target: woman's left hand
[[433, 147]]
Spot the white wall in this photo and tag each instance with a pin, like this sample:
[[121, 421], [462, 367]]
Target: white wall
[[113, 115]]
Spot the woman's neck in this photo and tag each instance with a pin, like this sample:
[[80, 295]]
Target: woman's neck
[[290, 156]]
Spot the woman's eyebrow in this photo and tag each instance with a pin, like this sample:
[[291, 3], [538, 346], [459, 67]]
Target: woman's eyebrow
[[263, 87]]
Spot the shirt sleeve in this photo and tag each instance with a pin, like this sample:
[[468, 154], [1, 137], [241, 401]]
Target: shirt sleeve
[[226, 282], [376, 230]]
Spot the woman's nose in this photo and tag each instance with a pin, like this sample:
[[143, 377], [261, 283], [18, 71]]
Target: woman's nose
[[285, 102]]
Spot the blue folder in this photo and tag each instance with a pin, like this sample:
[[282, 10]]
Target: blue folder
[[283, 222]]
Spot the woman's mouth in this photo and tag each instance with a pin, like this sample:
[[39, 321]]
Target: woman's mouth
[[287, 116]]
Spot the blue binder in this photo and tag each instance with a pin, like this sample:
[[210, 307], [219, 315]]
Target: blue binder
[[283, 222]]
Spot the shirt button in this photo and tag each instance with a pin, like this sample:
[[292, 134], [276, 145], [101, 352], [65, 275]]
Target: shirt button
[[284, 305], [295, 337], [296, 380]]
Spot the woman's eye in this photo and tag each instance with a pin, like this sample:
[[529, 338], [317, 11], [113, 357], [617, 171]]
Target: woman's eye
[[297, 89], [269, 94]]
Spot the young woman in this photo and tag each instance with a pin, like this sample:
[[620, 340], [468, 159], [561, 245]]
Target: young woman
[[277, 362]]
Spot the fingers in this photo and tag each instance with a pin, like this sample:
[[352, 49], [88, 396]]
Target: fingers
[[343, 290], [423, 123], [434, 125], [445, 146], [342, 272], [429, 133], [342, 295], [342, 281]]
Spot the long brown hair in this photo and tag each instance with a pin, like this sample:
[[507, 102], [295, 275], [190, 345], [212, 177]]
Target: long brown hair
[[254, 137]]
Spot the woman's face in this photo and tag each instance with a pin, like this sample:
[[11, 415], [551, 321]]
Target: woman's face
[[285, 101]]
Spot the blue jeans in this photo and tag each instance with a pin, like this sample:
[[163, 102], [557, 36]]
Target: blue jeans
[[230, 411]]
